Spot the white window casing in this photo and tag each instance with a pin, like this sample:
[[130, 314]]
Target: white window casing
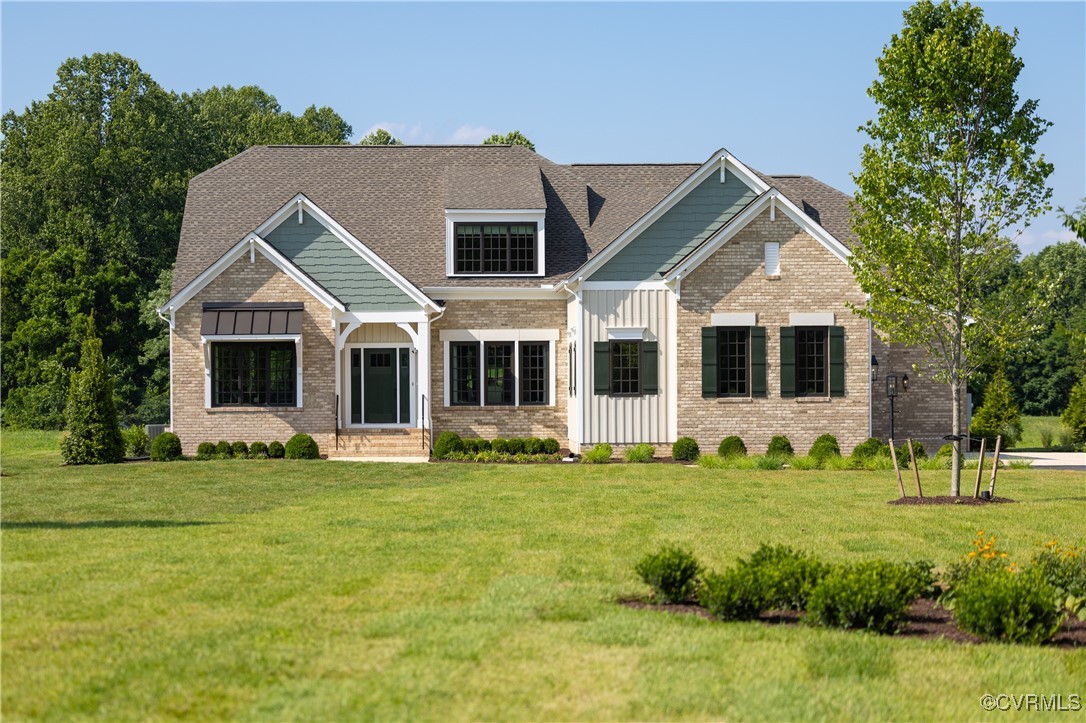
[[206, 341], [797, 318], [626, 333], [516, 336], [538, 216], [740, 318]]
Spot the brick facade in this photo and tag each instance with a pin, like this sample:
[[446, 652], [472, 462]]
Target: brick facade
[[490, 422], [194, 422], [923, 412], [734, 280]]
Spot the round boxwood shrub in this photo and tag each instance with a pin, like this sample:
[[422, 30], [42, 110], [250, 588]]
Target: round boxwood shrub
[[136, 441], [672, 573], [239, 449], [550, 446], [874, 594], [166, 447], [515, 445], [870, 448], [259, 450], [205, 450], [500, 445], [222, 448], [825, 447], [533, 445], [302, 446], [447, 443], [732, 447], [276, 450], [1011, 607], [735, 594], [685, 449], [779, 446], [474, 445]]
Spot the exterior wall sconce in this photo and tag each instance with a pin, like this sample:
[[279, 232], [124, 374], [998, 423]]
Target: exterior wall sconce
[[874, 368]]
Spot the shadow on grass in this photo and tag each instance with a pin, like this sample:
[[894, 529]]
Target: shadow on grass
[[93, 524]]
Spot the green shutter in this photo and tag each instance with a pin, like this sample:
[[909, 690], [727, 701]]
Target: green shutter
[[650, 367], [601, 378], [788, 361], [837, 361], [710, 378], [757, 361]]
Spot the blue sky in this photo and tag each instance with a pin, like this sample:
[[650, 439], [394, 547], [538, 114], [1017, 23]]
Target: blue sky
[[781, 85]]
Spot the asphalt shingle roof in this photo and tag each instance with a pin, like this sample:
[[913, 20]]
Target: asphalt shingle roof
[[393, 199]]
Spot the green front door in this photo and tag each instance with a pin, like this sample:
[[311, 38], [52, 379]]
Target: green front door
[[379, 377]]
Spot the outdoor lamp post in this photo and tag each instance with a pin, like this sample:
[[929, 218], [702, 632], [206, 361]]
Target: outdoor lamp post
[[891, 394]]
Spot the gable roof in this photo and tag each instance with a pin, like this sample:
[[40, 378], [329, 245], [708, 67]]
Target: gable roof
[[392, 199]]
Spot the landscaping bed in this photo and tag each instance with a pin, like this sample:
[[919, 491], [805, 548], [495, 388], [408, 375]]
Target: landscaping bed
[[949, 500]]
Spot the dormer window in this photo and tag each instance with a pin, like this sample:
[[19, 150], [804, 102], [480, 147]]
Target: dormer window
[[495, 242], [489, 248]]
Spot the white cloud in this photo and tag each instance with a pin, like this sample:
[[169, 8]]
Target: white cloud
[[471, 134], [410, 134], [1032, 240]]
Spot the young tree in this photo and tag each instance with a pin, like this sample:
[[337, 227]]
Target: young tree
[[512, 138], [380, 137], [951, 165], [998, 415], [94, 436]]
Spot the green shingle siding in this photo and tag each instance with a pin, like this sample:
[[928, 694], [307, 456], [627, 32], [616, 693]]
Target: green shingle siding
[[706, 208], [336, 267]]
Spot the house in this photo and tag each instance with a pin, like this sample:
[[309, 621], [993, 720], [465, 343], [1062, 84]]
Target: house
[[373, 296]]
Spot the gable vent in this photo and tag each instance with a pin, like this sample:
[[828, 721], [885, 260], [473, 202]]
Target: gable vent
[[772, 258]]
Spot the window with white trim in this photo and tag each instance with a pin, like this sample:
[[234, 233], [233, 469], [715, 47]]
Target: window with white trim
[[495, 248], [253, 374], [499, 372]]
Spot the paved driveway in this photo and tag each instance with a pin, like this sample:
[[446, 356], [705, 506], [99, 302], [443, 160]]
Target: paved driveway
[[1050, 460]]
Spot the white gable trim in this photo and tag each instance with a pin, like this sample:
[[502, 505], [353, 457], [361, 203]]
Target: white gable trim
[[294, 208], [250, 245], [721, 162], [741, 220]]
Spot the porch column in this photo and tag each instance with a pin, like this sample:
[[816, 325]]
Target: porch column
[[423, 372]]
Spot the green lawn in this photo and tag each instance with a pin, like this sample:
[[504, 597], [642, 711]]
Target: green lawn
[[321, 590], [1032, 428]]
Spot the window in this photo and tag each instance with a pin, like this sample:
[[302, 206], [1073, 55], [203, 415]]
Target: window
[[253, 374], [811, 361], [534, 375], [500, 385], [734, 362], [495, 248], [625, 368], [499, 372], [464, 373]]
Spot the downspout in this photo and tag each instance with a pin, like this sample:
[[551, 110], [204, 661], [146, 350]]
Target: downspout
[[171, 321], [578, 357]]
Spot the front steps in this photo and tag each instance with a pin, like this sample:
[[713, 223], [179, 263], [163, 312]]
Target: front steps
[[411, 444]]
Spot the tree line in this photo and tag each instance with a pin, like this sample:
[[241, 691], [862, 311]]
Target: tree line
[[92, 191]]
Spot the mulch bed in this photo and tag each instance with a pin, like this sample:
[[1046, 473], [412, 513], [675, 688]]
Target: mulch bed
[[948, 500], [925, 621]]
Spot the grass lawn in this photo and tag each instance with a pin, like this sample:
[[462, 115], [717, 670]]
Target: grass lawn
[[1032, 428], [322, 590]]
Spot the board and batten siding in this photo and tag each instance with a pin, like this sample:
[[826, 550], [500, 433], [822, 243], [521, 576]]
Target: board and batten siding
[[625, 420]]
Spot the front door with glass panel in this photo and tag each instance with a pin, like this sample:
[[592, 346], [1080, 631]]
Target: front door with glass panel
[[380, 386]]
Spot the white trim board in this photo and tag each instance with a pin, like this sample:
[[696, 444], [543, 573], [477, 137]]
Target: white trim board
[[252, 243], [483, 293], [721, 161], [740, 221], [300, 203]]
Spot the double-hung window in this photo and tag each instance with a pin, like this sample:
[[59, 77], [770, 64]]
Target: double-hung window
[[495, 248], [253, 374], [499, 373]]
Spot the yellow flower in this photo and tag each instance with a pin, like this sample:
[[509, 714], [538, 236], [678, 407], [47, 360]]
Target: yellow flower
[[1002, 554], [980, 533], [972, 555]]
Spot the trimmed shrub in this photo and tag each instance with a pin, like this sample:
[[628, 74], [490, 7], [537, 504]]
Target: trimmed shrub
[[732, 595], [222, 449], [239, 449], [779, 446], [947, 450], [998, 415], [166, 448], [640, 453], [685, 449], [550, 446], [997, 604], [874, 594], [533, 445], [732, 447], [473, 445], [205, 450], [94, 435], [276, 450], [136, 441], [301, 446], [870, 448], [258, 450], [447, 443], [824, 447], [672, 573], [787, 576], [515, 445], [500, 445], [600, 454]]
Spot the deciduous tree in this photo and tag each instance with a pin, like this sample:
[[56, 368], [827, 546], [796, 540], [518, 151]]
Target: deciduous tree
[[950, 167], [512, 138]]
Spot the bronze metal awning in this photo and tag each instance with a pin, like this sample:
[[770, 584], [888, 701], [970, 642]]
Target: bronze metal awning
[[250, 319]]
